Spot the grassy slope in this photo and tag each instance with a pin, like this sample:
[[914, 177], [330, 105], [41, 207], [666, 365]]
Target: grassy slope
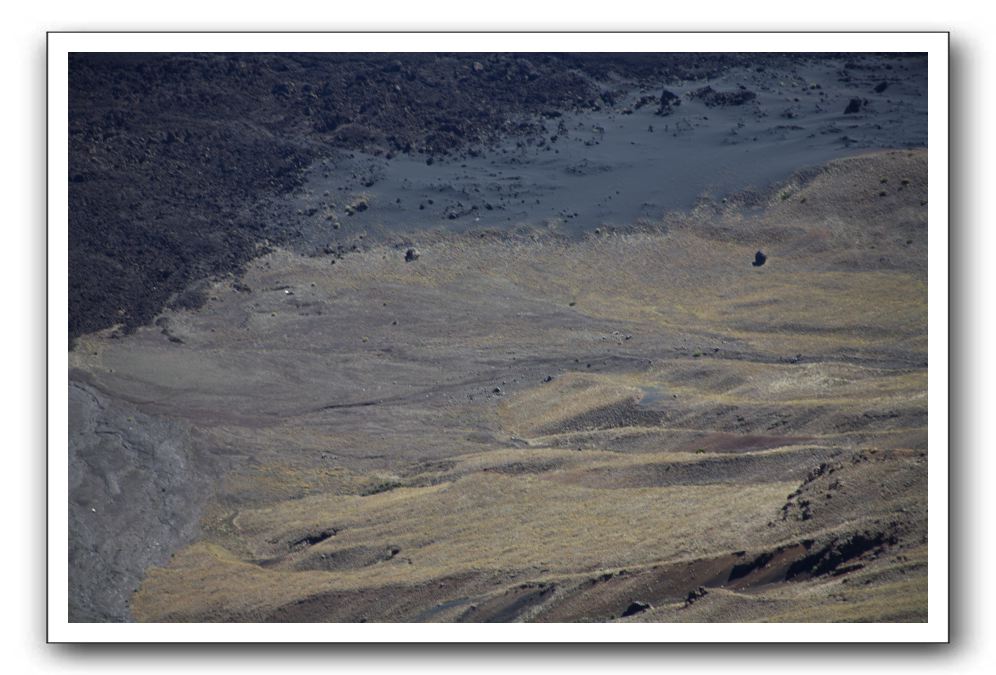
[[701, 391]]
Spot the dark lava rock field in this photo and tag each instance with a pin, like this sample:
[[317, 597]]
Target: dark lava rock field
[[183, 167]]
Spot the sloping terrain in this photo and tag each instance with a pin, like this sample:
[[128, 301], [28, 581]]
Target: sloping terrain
[[174, 158], [635, 427], [188, 165]]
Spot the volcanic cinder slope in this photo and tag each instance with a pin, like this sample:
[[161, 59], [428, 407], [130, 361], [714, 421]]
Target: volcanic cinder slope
[[631, 426]]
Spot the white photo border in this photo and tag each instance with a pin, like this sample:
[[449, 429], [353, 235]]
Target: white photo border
[[934, 44]]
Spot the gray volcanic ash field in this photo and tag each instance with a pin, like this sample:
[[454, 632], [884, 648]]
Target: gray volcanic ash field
[[486, 337]]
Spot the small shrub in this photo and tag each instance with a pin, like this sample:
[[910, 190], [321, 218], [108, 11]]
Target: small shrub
[[383, 486]]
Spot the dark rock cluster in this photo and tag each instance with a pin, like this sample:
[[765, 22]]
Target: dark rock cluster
[[176, 160], [711, 97], [854, 106], [669, 101]]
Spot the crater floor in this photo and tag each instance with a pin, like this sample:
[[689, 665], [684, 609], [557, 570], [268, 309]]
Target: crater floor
[[637, 426]]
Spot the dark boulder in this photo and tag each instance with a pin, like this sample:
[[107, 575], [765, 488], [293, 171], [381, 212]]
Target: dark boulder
[[853, 106], [881, 86], [669, 101], [411, 255], [759, 259], [636, 607], [700, 592]]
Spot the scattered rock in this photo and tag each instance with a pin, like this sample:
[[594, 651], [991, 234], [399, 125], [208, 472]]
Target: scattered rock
[[712, 98], [853, 106], [699, 592], [312, 538], [881, 86], [669, 101], [759, 259], [636, 607], [411, 255]]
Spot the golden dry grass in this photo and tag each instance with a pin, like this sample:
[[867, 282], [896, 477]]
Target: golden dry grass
[[826, 342]]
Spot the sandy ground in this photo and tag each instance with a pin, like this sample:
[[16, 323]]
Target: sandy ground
[[638, 426]]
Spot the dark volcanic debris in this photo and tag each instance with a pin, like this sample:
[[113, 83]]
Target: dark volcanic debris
[[174, 157], [712, 98]]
